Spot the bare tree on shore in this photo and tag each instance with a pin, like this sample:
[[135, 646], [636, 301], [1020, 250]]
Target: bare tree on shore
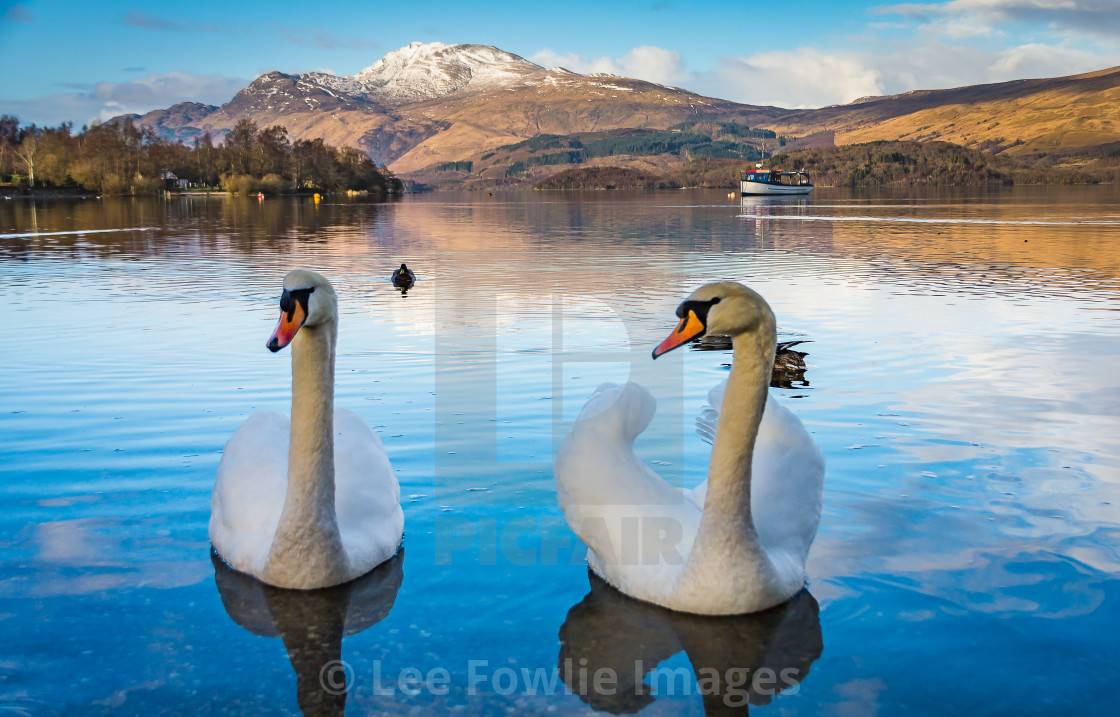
[[28, 153]]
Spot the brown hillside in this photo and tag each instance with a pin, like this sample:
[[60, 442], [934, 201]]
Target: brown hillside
[[1022, 117], [552, 103], [467, 98], [424, 106]]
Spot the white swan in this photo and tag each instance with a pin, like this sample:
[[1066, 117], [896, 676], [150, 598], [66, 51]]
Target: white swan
[[738, 542], [311, 502]]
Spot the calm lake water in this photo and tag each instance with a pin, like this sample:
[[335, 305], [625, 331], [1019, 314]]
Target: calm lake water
[[962, 383]]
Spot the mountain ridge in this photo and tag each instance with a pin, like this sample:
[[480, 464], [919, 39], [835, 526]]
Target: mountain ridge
[[424, 105], [402, 93]]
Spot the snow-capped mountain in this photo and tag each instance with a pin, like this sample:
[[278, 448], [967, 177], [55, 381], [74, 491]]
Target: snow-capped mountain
[[432, 103], [424, 72]]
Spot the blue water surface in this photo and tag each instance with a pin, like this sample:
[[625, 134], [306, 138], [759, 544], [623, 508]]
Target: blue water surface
[[961, 383]]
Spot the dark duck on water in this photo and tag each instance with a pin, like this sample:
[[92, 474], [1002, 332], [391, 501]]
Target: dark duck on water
[[403, 278], [789, 365]]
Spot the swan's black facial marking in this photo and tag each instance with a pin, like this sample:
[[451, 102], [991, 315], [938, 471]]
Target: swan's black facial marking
[[289, 298], [700, 308], [694, 317]]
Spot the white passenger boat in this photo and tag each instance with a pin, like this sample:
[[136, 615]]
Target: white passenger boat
[[774, 181]]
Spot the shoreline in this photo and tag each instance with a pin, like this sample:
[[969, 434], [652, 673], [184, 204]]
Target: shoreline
[[11, 193]]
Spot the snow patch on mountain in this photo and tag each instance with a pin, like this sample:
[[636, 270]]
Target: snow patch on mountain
[[345, 84], [422, 72], [417, 73]]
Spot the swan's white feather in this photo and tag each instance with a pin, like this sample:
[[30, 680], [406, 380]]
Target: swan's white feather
[[610, 497], [253, 479], [613, 501], [249, 491], [367, 495]]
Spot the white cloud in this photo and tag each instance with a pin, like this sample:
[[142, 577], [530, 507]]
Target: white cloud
[[804, 78], [1037, 60], [932, 65], [1067, 18], [109, 99], [937, 65], [809, 77], [647, 62], [794, 79], [961, 28]]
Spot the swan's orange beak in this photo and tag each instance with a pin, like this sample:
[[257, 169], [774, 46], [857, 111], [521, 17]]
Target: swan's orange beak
[[689, 328], [290, 321]]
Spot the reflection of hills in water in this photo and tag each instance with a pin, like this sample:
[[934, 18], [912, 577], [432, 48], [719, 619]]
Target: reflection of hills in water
[[311, 623], [183, 226], [1038, 239], [738, 660], [955, 246]]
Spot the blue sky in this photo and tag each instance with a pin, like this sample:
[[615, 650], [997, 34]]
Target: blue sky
[[83, 60]]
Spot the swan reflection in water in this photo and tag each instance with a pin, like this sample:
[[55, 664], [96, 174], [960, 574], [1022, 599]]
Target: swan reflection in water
[[311, 623], [737, 661]]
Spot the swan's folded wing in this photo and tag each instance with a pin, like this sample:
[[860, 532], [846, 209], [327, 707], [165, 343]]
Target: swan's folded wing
[[596, 464], [787, 475], [367, 495], [788, 479], [627, 515], [249, 491]]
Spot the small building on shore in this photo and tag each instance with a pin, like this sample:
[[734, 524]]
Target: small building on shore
[[170, 181]]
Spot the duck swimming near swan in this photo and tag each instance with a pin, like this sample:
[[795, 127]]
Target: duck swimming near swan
[[738, 542], [785, 357], [311, 501]]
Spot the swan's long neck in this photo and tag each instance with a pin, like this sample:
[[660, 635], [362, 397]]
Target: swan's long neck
[[307, 545], [727, 538], [311, 452]]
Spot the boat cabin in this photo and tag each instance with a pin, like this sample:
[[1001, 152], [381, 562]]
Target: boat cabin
[[777, 176]]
